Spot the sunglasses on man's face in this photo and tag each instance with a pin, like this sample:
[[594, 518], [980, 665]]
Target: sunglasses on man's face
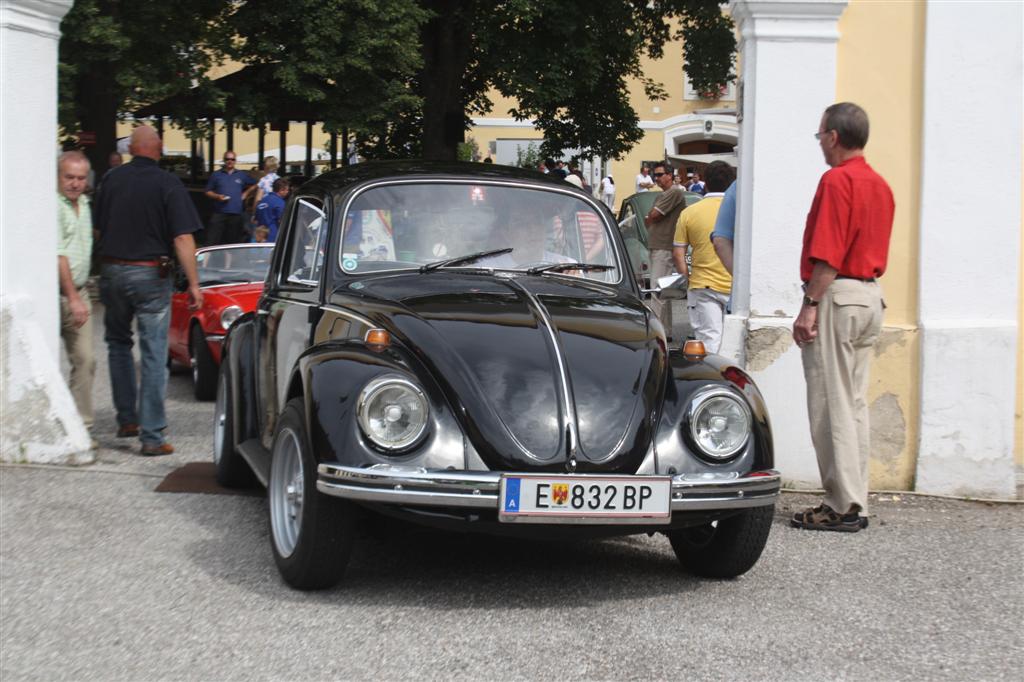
[[229, 158], [658, 175]]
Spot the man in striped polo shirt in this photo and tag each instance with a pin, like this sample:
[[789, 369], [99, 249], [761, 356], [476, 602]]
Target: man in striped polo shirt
[[74, 251]]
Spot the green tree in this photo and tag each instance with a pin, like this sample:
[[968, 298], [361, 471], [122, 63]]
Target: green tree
[[566, 62], [408, 75], [116, 55]]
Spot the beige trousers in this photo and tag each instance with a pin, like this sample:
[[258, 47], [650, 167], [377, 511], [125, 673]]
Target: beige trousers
[[79, 345], [661, 266], [836, 367]]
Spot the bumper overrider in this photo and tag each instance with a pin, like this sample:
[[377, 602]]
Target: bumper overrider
[[418, 487]]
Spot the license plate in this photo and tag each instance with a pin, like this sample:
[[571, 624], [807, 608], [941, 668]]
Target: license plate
[[529, 498]]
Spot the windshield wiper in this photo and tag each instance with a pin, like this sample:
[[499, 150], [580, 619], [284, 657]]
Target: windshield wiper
[[560, 267], [459, 260]]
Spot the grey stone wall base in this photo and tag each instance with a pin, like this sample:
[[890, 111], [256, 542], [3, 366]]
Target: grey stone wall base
[[38, 419]]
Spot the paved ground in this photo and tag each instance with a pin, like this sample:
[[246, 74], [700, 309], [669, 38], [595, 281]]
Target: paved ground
[[103, 578]]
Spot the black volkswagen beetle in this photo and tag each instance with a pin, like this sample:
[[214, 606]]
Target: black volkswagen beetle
[[464, 345]]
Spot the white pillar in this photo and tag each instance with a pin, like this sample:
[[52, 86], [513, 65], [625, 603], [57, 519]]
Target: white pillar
[[789, 77], [37, 415], [970, 248]]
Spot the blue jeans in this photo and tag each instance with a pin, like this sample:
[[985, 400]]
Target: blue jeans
[[134, 291]]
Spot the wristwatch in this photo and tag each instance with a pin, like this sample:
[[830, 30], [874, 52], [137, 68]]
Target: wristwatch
[[808, 301]]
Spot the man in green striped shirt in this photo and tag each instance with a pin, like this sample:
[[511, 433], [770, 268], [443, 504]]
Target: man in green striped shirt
[[74, 253]]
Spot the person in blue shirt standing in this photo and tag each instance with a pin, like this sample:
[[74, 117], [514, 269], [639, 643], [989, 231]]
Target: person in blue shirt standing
[[725, 227], [227, 188], [271, 208]]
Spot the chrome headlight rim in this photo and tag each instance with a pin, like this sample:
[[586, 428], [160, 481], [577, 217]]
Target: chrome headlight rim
[[698, 402], [228, 316], [371, 390]]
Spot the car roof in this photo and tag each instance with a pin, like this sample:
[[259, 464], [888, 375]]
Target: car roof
[[413, 168]]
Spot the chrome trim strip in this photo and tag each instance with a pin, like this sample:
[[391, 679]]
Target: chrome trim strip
[[568, 404], [479, 489], [349, 314]]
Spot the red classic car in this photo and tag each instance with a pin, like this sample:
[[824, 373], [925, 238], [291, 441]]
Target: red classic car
[[231, 277]]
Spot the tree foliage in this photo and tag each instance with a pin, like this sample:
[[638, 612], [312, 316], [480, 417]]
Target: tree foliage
[[406, 76], [118, 54]]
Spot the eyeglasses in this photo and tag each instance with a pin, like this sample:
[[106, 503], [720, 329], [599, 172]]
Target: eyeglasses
[[818, 136], [658, 175]]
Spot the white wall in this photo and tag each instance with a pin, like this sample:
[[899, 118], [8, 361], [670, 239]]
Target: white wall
[[28, 172], [789, 76], [38, 419], [970, 247]]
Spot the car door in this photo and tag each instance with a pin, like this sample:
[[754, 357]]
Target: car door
[[290, 306]]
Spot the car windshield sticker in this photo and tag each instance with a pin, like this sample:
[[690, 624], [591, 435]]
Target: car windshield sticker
[[350, 261], [512, 494]]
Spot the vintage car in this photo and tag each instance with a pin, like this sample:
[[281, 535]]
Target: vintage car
[[634, 232], [431, 345], [231, 278]]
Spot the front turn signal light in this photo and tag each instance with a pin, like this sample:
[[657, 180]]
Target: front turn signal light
[[694, 350], [378, 339]]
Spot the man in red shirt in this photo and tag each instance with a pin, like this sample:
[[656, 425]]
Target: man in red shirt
[[845, 249]]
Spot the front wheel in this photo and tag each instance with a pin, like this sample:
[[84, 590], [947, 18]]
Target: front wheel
[[231, 470], [726, 548], [311, 533], [204, 368]]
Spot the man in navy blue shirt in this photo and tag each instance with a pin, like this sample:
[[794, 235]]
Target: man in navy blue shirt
[[227, 188], [271, 208]]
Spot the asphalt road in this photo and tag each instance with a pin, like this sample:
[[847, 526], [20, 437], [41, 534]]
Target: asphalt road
[[103, 578]]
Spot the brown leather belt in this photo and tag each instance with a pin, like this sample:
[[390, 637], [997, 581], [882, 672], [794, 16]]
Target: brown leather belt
[[859, 279], [123, 261]]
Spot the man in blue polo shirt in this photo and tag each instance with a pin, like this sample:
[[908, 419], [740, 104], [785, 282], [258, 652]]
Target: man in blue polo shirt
[[227, 188], [271, 208]]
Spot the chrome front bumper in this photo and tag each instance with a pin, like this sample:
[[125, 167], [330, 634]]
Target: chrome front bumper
[[417, 487]]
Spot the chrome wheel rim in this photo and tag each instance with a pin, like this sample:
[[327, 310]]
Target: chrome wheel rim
[[220, 416], [194, 361], [286, 492]]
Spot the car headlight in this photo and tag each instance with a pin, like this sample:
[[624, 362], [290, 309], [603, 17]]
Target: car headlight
[[392, 412], [229, 315], [719, 423]]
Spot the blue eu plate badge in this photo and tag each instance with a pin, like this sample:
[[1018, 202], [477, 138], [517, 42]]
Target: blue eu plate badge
[[512, 494]]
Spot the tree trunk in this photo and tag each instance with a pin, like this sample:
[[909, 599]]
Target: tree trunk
[[446, 49], [97, 105]]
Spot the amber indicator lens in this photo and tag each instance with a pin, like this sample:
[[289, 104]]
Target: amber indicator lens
[[378, 337], [694, 349]]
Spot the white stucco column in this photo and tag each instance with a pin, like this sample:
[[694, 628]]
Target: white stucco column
[[970, 248], [789, 77], [37, 415]]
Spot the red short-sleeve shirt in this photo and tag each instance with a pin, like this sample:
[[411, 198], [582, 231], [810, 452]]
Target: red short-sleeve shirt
[[850, 222]]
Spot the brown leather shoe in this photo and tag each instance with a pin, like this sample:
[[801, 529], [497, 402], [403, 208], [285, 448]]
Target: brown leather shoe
[[128, 431], [156, 450]]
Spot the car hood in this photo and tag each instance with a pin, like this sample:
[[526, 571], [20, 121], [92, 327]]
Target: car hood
[[245, 295], [540, 370]]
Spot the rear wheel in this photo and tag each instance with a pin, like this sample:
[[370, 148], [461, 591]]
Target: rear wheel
[[311, 533], [232, 470], [204, 369], [725, 548]]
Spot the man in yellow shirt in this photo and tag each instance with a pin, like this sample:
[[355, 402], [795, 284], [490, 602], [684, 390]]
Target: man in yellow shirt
[[710, 283]]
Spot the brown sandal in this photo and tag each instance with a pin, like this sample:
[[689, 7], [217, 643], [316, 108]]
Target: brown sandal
[[824, 517]]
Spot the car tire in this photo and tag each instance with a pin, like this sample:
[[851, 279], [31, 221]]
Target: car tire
[[232, 471], [727, 548], [311, 533], [204, 369]]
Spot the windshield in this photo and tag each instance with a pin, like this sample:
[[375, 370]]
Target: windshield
[[230, 265], [435, 225]]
